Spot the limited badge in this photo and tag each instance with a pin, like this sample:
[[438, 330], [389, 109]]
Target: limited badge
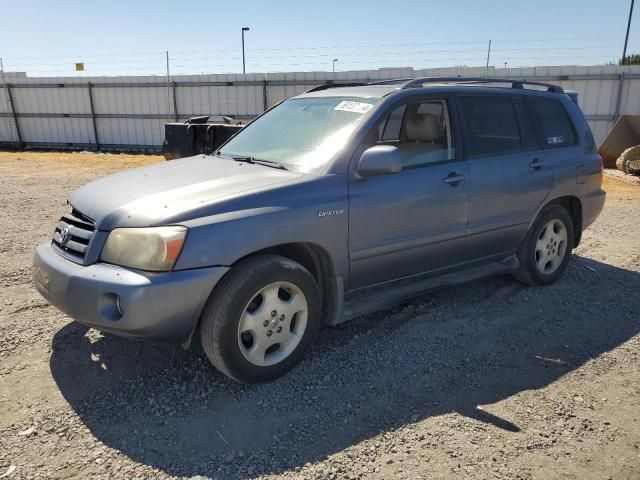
[[330, 213]]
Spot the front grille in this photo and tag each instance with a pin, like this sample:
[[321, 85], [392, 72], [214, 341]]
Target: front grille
[[73, 234]]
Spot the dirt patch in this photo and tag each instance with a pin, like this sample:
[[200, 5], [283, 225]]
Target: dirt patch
[[44, 164], [487, 380]]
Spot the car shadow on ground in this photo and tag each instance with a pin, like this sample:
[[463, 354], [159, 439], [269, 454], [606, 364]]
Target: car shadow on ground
[[451, 351]]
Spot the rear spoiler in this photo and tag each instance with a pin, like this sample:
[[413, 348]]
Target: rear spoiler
[[572, 95]]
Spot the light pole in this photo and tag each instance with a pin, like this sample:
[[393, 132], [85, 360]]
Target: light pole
[[486, 72], [244, 29], [626, 38], [333, 64]]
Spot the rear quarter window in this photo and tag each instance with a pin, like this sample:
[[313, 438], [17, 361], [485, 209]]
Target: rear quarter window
[[555, 124]]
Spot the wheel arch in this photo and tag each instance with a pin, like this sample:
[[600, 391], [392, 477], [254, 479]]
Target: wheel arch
[[315, 259], [319, 263], [573, 205]]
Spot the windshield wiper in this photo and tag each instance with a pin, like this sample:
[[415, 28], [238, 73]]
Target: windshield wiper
[[260, 161]]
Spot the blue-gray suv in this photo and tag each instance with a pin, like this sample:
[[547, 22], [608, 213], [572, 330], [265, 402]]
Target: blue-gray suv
[[335, 203]]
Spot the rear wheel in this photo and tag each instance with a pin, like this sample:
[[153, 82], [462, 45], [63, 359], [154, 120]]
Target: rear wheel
[[545, 251], [261, 319]]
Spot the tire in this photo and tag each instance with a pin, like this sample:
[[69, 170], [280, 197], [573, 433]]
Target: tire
[[545, 251], [261, 318]]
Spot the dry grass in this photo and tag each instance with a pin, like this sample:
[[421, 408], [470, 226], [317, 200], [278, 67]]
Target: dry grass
[[101, 163]]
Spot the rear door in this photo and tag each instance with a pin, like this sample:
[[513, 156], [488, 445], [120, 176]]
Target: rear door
[[558, 136], [416, 220], [508, 172]]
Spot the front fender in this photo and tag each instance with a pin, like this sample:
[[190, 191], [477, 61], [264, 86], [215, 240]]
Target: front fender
[[315, 214]]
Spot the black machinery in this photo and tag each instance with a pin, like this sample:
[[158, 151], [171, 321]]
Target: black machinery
[[196, 136]]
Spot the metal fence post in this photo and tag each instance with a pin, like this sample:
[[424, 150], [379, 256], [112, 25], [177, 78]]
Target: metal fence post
[[265, 102], [13, 113], [174, 86], [6, 100], [93, 116]]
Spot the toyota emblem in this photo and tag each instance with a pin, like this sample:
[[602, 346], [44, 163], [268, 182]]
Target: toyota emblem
[[64, 235]]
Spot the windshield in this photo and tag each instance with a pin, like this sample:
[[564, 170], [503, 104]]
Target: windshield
[[301, 133]]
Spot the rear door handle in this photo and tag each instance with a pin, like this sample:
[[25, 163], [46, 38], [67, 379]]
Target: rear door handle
[[453, 178], [536, 164]]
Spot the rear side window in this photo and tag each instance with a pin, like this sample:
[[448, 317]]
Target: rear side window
[[557, 130], [491, 125]]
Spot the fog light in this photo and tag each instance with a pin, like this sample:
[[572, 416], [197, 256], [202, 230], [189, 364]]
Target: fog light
[[109, 307], [119, 306]]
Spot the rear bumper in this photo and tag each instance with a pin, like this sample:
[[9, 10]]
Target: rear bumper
[[592, 205], [161, 306]]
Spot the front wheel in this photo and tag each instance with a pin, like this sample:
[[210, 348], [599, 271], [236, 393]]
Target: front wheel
[[545, 251], [261, 318]]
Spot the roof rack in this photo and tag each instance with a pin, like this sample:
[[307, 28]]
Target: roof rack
[[417, 82], [391, 82], [331, 84]]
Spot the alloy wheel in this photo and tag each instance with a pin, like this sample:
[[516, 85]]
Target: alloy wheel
[[551, 246], [272, 324]]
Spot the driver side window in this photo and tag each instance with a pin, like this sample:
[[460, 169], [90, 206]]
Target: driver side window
[[422, 132]]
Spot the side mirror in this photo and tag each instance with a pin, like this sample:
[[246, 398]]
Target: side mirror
[[380, 160]]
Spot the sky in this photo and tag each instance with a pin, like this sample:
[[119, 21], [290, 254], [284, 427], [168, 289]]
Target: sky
[[116, 37]]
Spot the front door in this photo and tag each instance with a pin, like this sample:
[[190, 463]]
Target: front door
[[414, 221]]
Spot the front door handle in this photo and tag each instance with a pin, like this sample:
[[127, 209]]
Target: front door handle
[[536, 164], [453, 178]]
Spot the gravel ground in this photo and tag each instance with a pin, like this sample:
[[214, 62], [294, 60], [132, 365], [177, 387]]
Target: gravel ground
[[487, 380], [627, 177]]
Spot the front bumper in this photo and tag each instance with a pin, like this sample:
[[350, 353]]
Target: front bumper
[[162, 306]]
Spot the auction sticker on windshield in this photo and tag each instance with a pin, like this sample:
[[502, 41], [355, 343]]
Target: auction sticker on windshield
[[356, 107]]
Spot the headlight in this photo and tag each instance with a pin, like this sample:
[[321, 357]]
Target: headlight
[[154, 248]]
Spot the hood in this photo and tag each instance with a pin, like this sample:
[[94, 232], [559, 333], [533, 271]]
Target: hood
[[144, 196]]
